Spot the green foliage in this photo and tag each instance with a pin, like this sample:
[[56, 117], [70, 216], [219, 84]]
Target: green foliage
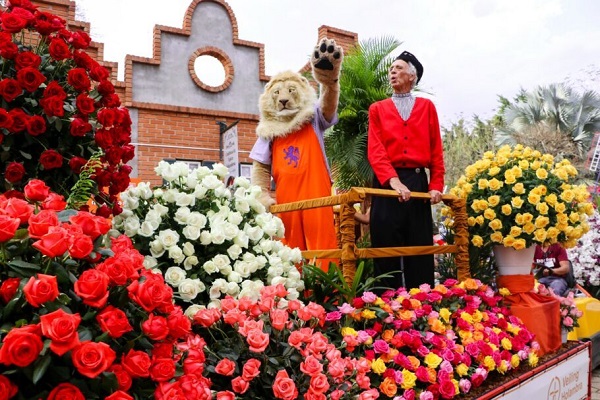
[[85, 187], [362, 82]]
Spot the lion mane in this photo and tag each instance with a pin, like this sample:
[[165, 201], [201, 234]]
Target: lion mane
[[287, 103]]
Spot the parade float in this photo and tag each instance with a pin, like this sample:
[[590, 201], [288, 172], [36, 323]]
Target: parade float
[[188, 294]]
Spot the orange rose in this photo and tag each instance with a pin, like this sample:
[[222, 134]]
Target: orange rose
[[283, 387], [257, 340], [388, 387]]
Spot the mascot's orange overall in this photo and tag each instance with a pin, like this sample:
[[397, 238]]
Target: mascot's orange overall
[[290, 147]]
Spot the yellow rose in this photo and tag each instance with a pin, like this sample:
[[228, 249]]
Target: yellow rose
[[349, 331], [562, 218], [470, 172], [477, 242], [432, 360], [541, 173], [516, 202], [477, 316], [561, 173], [542, 207], [493, 171], [519, 219], [493, 200], [496, 237], [519, 244], [479, 220], [533, 198], [540, 235], [506, 343], [503, 367], [552, 233], [509, 177], [501, 159], [517, 171], [551, 199], [527, 217], [515, 231], [524, 164], [495, 184], [567, 196], [482, 184], [467, 317], [535, 165], [489, 214], [462, 369], [409, 379], [482, 205], [506, 209], [573, 217], [548, 158], [495, 224], [541, 221], [532, 359], [504, 292], [368, 314], [515, 361], [518, 188], [508, 241], [489, 363], [445, 314], [471, 221], [378, 366]]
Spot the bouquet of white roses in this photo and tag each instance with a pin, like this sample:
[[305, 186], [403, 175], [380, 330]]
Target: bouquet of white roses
[[586, 255], [207, 239]]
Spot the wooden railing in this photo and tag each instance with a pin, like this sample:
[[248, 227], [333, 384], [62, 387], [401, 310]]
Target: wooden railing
[[349, 253]]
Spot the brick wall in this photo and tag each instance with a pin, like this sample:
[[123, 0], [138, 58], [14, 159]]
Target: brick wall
[[165, 131]]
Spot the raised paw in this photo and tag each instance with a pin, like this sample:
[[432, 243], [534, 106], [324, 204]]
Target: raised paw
[[327, 55]]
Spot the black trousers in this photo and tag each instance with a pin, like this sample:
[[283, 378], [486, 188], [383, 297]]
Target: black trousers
[[394, 223]]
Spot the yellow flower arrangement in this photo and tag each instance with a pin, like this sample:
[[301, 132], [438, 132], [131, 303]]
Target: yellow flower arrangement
[[518, 196]]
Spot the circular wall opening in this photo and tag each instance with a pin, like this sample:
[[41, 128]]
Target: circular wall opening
[[211, 69]]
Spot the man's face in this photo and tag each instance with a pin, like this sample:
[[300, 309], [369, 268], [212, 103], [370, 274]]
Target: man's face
[[400, 78]]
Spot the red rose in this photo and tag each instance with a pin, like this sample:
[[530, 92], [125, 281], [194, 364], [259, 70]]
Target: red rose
[[105, 87], [40, 223], [36, 190], [54, 89], [91, 359], [8, 50], [77, 163], [114, 321], [82, 59], [162, 369], [30, 78], [78, 78], [53, 106], [6, 120], [10, 89], [79, 127], [9, 288], [239, 385], [8, 227], [80, 246], [123, 378], [51, 159], [27, 59], [36, 125], [55, 202], [46, 23], [179, 324], [128, 153], [152, 293], [284, 387], [21, 346], [41, 289], [119, 395], [92, 287], [54, 243], [121, 243], [18, 208], [58, 49], [100, 74], [257, 340], [14, 172], [111, 100], [155, 327], [91, 225], [61, 328], [12, 23], [251, 369], [225, 395], [66, 391], [85, 104], [7, 388], [137, 363], [19, 120], [80, 40], [225, 367]]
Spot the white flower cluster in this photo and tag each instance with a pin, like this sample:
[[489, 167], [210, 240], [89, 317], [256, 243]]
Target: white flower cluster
[[586, 255], [207, 239]]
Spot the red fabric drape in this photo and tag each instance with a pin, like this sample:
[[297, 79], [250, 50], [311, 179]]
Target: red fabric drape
[[540, 314]]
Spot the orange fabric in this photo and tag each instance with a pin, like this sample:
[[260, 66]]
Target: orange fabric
[[540, 314], [300, 173]]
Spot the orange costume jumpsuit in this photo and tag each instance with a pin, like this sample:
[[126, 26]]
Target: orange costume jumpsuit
[[300, 171]]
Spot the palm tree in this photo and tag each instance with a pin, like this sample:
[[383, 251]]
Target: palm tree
[[363, 81], [574, 116]]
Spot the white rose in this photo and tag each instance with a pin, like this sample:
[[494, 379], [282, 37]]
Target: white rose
[[243, 268], [131, 226], [241, 239], [232, 289], [210, 267], [217, 235], [230, 231], [205, 238], [131, 202], [220, 169], [226, 270], [197, 219], [285, 254], [255, 233], [257, 206], [191, 181], [221, 261], [278, 280], [184, 199], [234, 277], [169, 195], [234, 251], [161, 166], [266, 246], [202, 171], [191, 232], [149, 262], [156, 248], [242, 206], [168, 237], [211, 182], [200, 191], [188, 249], [168, 173], [223, 192], [235, 218], [271, 228], [219, 286], [276, 270], [216, 303], [144, 190], [296, 256], [161, 209], [158, 193], [189, 288], [174, 276], [261, 260], [192, 310], [293, 294], [176, 254], [182, 214], [190, 262], [182, 169], [146, 229], [242, 181]]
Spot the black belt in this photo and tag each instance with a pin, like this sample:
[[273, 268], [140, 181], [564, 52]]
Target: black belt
[[416, 170]]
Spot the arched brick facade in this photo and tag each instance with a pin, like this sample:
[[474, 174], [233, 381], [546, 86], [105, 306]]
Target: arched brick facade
[[175, 116]]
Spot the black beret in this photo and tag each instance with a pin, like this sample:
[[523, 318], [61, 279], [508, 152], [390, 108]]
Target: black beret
[[409, 57]]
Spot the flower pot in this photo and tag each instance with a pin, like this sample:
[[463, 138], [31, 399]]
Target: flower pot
[[513, 262], [564, 334]]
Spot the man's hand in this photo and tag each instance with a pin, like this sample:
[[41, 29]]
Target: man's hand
[[403, 191], [436, 196]]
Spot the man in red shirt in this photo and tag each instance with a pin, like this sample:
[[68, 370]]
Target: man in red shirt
[[404, 139], [554, 263]]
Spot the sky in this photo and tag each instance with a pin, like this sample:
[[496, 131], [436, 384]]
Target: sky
[[472, 50]]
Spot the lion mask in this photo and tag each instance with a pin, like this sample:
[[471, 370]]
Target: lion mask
[[286, 104]]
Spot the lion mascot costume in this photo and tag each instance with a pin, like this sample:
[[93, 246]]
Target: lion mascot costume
[[290, 147]]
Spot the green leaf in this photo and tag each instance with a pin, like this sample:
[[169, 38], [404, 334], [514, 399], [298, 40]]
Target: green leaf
[[26, 156], [20, 264], [40, 367]]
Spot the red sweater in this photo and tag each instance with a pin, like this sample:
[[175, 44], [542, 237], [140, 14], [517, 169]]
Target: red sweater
[[395, 143]]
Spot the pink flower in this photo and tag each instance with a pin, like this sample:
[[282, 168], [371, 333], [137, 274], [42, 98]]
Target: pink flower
[[369, 297]]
